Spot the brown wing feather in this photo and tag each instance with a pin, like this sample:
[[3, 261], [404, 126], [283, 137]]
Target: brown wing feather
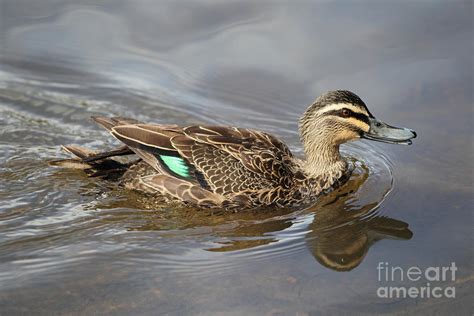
[[231, 160], [109, 122], [147, 141], [224, 173], [259, 152], [142, 136]]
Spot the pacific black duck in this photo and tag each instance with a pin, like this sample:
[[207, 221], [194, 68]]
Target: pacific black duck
[[220, 166]]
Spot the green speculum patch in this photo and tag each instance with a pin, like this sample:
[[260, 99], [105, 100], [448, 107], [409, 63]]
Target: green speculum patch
[[176, 165]]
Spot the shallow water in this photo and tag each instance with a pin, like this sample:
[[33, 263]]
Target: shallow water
[[77, 245]]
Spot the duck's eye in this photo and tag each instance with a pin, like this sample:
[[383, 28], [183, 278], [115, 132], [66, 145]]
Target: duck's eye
[[345, 113]]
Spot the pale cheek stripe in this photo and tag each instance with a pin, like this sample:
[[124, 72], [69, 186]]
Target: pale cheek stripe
[[353, 122], [362, 125]]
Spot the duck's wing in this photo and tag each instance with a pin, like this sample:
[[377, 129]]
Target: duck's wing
[[135, 132], [261, 155], [222, 160]]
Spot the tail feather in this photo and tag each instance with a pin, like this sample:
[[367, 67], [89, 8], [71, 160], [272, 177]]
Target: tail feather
[[80, 152], [94, 164], [73, 163], [121, 151]]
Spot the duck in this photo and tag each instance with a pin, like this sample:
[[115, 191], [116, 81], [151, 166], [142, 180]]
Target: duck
[[231, 167]]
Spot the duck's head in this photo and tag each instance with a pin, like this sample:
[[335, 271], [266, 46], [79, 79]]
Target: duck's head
[[341, 116]]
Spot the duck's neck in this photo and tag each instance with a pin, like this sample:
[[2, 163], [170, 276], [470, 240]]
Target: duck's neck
[[324, 161]]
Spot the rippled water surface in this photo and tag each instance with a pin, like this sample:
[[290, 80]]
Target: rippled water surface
[[70, 244]]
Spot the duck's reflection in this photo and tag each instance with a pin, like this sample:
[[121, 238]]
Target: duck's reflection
[[337, 241], [343, 248]]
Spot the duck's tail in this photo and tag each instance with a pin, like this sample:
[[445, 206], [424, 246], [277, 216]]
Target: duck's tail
[[94, 164], [98, 163]]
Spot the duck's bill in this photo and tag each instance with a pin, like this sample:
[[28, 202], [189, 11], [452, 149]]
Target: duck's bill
[[381, 132]]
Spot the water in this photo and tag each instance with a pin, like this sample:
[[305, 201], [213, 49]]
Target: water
[[76, 245]]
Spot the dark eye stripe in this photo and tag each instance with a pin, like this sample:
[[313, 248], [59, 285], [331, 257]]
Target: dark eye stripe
[[358, 116], [361, 117]]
